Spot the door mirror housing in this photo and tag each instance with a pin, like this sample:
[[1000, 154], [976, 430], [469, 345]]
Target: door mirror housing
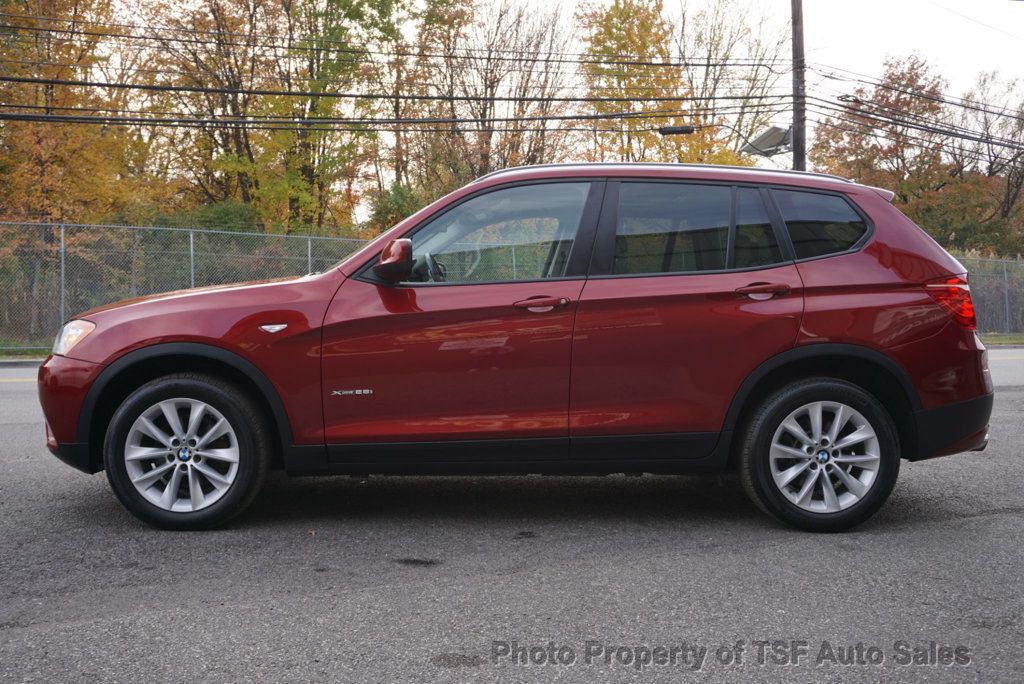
[[395, 263]]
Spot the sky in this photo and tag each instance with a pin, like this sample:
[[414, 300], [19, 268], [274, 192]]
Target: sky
[[960, 38]]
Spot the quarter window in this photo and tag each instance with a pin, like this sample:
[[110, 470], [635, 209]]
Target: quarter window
[[518, 233], [671, 228], [819, 224]]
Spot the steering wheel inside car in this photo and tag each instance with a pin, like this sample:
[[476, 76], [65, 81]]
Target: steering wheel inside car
[[436, 271]]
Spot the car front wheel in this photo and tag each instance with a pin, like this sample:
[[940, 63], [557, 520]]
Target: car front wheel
[[820, 454], [186, 451]]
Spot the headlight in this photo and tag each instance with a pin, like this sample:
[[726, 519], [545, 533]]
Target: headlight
[[70, 335]]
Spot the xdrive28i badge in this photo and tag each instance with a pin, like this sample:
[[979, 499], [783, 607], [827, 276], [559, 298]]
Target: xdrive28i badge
[[349, 392]]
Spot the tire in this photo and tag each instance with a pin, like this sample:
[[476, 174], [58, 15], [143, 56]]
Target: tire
[[783, 486], [216, 473]]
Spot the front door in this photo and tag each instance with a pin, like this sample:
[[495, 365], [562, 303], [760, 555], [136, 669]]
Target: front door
[[691, 289], [476, 345]]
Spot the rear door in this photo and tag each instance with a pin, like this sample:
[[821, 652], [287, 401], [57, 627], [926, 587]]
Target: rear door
[[691, 287]]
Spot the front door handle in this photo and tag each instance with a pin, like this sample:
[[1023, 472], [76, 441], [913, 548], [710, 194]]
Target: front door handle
[[762, 291], [541, 304]]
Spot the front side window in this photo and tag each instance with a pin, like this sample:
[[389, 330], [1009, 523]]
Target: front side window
[[671, 228], [819, 224], [518, 233]]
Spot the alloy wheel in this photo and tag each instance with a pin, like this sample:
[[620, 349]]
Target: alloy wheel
[[181, 455], [825, 457]]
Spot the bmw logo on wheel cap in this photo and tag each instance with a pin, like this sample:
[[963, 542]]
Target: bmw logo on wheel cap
[[183, 453]]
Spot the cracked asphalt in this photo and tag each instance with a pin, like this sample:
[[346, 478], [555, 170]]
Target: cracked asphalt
[[433, 579]]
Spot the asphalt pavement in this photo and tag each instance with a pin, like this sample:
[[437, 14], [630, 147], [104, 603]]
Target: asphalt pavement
[[513, 579]]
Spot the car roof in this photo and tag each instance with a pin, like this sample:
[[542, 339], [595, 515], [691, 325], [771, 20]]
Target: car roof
[[710, 172]]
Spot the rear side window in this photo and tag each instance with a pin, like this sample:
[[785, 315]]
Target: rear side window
[[671, 228], [819, 224]]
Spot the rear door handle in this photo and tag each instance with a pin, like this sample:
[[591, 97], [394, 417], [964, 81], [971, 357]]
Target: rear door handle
[[762, 291], [540, 303]]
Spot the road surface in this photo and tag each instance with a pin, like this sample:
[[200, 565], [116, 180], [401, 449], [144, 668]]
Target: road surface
[[433, 579]]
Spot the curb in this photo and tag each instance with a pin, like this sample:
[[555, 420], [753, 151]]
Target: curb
[[20, 363]]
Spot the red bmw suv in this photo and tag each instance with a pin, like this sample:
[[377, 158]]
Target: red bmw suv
[[587, 319]]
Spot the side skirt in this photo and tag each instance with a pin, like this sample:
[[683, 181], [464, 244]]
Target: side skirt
[[663, 453]]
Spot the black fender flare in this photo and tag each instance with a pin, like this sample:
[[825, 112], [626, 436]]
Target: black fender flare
[[810, 351], [194, 349]]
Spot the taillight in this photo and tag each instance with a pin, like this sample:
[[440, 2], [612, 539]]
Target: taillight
[[954, 295]]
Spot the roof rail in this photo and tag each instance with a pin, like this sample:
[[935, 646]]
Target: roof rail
[[664, 164]]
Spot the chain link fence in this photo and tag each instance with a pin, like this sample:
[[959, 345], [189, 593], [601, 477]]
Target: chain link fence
[[997, 290], [50, 272]]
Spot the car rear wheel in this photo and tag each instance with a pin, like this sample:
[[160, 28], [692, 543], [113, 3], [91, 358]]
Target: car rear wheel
[[820, 454], [186, 451]]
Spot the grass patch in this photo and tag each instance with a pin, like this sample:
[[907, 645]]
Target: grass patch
[[9, 354], [18, 349], [1001, 338]]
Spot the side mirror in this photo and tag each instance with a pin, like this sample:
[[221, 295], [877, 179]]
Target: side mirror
[[395, 264]]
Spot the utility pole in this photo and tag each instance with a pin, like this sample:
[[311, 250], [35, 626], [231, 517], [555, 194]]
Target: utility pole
[[799, 94]]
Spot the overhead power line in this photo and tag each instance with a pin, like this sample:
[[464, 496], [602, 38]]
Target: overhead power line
[[856, 104], [870, 106], [35, 65], [376, 128], [299, 46], [467, 76], [322, 40], [691, 112], [946, 144], [267, 92], [940, 99], [830, 120], [937, 129], [329, 123], [971, 19]]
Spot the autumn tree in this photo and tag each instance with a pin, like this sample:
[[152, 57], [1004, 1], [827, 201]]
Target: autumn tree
[[52, 170], [713, 68], [955, 164], [305, 115], [214, 46], [992, 160], [880, 134], [303, 167], [628, 46], [486, 80], [727, 51]]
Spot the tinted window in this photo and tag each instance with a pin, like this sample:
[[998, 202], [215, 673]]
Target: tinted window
[[520, 233], [755, 240], [819, 224], [671, 228]]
